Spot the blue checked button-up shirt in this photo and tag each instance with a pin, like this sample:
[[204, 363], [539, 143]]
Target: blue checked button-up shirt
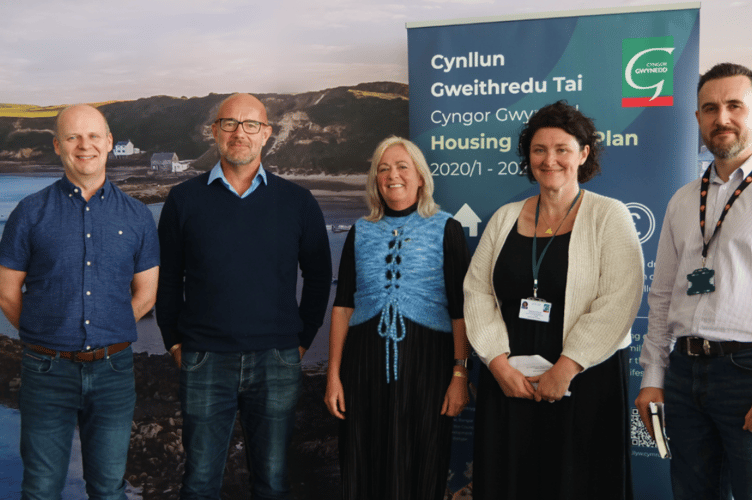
[[80, 258]]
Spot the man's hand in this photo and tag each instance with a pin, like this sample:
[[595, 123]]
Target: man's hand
[[11, 295], [649, 395], [748, 421], [176, 352], [302, 351]]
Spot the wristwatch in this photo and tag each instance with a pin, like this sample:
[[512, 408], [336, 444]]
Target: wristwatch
[[462, 362]]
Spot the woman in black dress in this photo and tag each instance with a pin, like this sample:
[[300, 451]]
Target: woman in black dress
[[550, 296], [397, 345]]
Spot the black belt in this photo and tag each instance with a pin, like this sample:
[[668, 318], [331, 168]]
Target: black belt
[[696, 346], [81, 356]]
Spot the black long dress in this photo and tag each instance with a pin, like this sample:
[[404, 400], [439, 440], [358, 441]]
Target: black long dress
[[394, 443], [573, 449]]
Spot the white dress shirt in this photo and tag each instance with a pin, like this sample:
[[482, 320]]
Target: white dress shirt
[[722, 315]]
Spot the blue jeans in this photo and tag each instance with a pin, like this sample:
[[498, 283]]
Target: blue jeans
[[56, 394], [264, 386], [706, 401]]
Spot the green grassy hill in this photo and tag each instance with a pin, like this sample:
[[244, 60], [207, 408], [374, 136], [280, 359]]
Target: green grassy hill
[[329, 131]]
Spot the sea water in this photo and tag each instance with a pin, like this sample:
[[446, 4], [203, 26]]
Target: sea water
[[13, 188], [11, 468], [10, 461]]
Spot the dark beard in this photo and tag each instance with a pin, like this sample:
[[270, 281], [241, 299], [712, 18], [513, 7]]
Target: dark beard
[[730, 150]]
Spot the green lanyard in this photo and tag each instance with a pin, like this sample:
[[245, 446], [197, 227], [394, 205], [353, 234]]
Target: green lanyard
[[537, 262]]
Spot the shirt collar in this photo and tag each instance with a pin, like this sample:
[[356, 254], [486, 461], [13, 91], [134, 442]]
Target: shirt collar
[[741, 172], [72, 190], [746, 167], [217, 173]]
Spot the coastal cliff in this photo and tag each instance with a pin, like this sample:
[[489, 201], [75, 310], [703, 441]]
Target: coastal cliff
[[332, 131]]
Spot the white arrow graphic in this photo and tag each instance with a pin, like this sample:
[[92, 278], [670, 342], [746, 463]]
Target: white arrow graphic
[[468, 219]]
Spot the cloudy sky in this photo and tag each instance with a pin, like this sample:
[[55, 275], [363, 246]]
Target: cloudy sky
[[57, 52]]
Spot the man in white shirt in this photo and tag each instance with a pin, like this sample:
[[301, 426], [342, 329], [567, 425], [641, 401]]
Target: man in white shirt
[[700, 303]]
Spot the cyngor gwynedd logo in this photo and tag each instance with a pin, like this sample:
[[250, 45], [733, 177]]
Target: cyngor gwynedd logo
[[648, 69]]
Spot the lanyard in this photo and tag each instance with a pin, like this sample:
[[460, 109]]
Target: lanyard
[[703, 205], [537, 262]]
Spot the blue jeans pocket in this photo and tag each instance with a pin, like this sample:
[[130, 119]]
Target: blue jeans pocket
[[122, 362], [35, 362], [288, 357], [742, 360], [192, 361]]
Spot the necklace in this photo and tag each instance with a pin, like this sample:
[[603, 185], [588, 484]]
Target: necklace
[[548, 231], [537, 262]]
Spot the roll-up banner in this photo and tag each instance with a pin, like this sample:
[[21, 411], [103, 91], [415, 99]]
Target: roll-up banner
[[473, 85]]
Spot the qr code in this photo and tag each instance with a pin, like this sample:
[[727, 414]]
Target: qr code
[[640, 434]]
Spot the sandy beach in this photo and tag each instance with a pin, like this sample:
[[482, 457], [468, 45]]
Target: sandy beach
[[151, 186]]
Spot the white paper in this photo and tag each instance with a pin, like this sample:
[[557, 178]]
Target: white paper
[[532, 366]]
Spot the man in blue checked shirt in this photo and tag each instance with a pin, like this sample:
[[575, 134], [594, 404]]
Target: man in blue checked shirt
[[88, 257]]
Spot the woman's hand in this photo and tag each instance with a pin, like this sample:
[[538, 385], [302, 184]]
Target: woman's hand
[[554, 383], [512, 382], [335, 394], [456, 396], [335, 397]]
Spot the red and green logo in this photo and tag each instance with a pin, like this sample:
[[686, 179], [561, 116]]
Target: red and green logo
[[648, 69]]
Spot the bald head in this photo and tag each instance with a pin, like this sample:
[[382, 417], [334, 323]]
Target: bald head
[[83, 140], [245, 102], [76, 109], [239, 148]]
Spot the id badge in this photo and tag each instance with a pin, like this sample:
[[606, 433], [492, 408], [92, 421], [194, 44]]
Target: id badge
[[535, 310], [701, 281]]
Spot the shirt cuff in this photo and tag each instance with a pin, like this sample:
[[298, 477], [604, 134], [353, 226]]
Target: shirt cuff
[[653, 376]]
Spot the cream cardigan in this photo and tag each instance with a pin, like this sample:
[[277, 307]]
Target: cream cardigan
[[604, 283]]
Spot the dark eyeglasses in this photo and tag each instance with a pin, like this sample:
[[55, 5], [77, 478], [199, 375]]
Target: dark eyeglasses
[[249, 126]]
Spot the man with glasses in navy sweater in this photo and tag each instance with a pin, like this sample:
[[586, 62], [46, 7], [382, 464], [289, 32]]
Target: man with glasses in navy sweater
[[231, 243]]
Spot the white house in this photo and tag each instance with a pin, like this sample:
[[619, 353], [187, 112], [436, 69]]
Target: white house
[[123, 148], [166, 162]]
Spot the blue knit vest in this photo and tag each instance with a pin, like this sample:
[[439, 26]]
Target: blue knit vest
[[399, 268]]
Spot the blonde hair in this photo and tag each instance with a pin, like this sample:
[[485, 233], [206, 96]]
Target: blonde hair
[[426, 206]]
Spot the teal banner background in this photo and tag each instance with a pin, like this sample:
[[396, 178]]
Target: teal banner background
[[470, 139]]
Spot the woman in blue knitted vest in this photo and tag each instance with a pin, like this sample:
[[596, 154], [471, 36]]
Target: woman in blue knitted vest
[[397, 345]]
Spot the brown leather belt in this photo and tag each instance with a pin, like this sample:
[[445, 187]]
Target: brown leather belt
[[81, 356], [696, 346]]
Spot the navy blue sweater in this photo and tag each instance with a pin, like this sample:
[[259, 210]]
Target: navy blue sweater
[[230, 266]]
